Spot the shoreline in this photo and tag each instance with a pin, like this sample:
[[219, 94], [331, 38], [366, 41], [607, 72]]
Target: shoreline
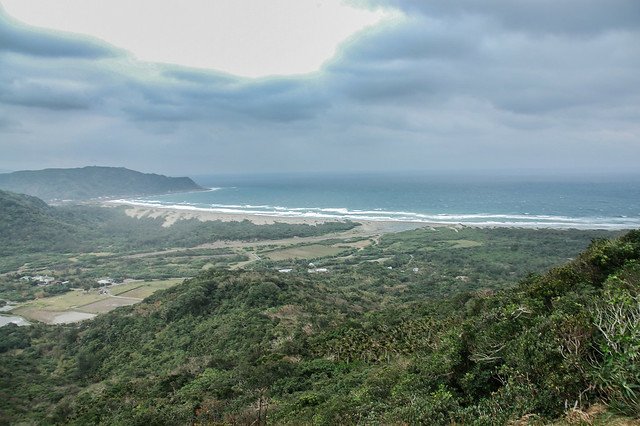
[[172, 214]]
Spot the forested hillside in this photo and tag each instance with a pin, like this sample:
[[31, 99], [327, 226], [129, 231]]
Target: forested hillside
[[92, 182], [29, 225], [254, 348]]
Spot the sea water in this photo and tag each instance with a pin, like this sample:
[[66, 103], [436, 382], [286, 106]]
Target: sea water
[[582, 202]]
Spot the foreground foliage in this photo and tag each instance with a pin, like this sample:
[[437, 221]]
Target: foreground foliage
[[242, 347]]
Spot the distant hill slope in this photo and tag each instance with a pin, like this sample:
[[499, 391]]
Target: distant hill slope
[[27, 221], [29, 225], [92, 182]]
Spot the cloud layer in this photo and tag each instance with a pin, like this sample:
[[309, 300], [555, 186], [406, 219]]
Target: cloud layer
[[445, 86]]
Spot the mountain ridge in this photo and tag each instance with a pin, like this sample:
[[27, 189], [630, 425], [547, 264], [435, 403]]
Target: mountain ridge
[[90, 182]]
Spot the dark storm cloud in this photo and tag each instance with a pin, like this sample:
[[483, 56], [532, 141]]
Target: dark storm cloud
[[431, 59], [9, 125], [583, 17], [192, 96], [438, 39], [281, 100], [52, 83], [19, 38], [55, 95], [448, 85]]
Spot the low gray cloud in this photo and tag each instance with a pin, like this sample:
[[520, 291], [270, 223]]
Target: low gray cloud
[[450, 85]]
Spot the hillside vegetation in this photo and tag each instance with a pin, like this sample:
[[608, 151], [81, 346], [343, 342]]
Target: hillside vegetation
[[92, 182], [250, 348], [29, 225]]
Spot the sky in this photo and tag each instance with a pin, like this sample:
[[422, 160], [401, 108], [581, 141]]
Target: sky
[[243, 86]]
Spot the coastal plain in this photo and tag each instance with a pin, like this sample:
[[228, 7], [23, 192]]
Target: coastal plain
[[158, 268], [439, 257]]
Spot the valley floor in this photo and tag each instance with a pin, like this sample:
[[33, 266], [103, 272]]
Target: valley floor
[[445, 258]]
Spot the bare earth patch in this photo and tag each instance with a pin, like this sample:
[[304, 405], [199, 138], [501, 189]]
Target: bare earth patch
[[355, 244], [53, 317], [107, 305], [71, 317], [464, 243], [303, 252]]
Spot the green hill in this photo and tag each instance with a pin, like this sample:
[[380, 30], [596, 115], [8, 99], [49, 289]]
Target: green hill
[[92, 182], [17, 208], [29, 225], [256, 348], [28, 222]]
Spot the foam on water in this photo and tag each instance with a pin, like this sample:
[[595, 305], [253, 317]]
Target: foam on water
[[532, 204], [339, 213]]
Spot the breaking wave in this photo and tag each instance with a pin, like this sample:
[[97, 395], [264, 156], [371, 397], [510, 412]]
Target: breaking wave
[[522, 220]]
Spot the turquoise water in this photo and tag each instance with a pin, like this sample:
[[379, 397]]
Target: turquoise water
[[567, 202]]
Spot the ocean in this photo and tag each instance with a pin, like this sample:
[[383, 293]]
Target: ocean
[[580, 202]]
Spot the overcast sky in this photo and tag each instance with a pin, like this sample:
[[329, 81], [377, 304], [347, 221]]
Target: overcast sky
[[186, 88]]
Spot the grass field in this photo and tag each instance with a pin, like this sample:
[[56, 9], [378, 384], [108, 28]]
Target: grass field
[[360, 244], [65, 301], [311, 251], [464, 243], [147, 288]]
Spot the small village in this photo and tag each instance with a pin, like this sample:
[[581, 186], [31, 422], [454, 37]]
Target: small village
[[43, 280], [55, 285]]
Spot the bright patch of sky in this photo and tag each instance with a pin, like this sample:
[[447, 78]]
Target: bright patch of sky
[[249, 38]]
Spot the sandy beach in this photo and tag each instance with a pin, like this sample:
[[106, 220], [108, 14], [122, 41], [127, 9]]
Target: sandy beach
[[171, 214]]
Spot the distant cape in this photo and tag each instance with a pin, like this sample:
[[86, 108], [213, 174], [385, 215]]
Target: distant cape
[[92, 182]]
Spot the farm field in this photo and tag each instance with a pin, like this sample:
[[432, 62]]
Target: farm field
[[78, 305], [108, 304], [147, 288], [311, 251]]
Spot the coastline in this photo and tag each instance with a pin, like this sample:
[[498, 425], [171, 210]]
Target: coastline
[[172, 214]]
